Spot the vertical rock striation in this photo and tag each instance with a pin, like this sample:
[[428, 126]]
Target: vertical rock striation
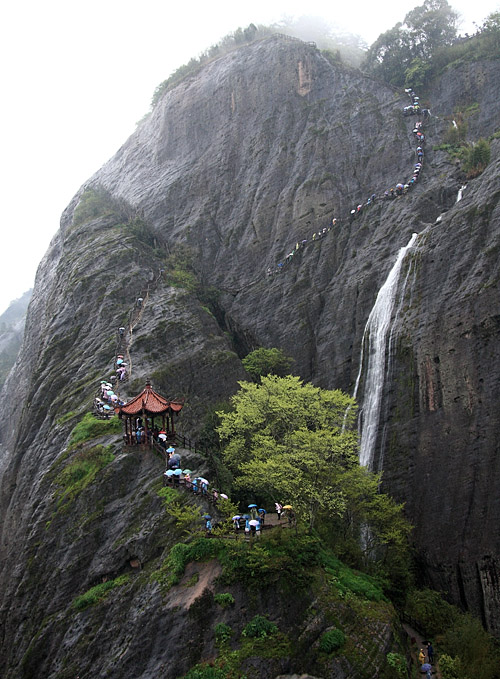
[[234, 166]]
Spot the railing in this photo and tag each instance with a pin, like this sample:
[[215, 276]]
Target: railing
[[185, 442], [416, 624], [292, 38]]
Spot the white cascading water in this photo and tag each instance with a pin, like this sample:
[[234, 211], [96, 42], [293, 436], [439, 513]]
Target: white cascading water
[[375, 340], [461, 193]]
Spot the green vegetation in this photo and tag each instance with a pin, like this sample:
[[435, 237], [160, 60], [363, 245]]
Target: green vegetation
[[90, 428], [398, 663], [223, 633], [229, 42], [94, 203], [80, 472], [259, 628], [169, 495], [66, 417], [98, 593], [179, 269], [224, 600], [142, 232], [296, 443], [462, 642], [418, 50], [204, 671], [348, 582], [331, 641], [405, 50], [262, 362], [476, 157], [450, 668], [485, 44], [278, 557]]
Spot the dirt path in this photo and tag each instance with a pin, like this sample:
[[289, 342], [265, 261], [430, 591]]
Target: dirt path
[[418, 642]]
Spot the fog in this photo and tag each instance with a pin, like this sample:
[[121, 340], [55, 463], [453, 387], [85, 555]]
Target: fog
[[77, 76]]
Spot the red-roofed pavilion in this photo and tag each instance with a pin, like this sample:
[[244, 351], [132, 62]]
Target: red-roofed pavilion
[[148, 405]]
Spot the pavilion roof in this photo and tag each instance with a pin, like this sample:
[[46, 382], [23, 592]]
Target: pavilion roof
[[149, 401]]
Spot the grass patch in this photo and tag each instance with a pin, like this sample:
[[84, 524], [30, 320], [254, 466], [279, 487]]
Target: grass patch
[[98, 593], [347, 581], [65, 418], [169, 495], [274, 558], [80, 472], [90, 428]]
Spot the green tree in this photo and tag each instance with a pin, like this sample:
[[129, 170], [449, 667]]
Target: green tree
[[265, 415], [295, 442], [267, 361], [407, 48], [387, 58], [430, 26]]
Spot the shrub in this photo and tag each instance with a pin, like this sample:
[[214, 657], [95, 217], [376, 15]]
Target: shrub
[[259, 628], [468, 641], [476, 158], [222, 633], [449, 667], [431, 611], [224, 600], [332, 640], [168, 494], [398, 662], [93, 203]]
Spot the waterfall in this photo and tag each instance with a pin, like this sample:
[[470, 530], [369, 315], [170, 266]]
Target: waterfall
[[374, 340], [461, 193]]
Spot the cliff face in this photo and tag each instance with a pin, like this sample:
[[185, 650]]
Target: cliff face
[[11, 333], [234, 166]]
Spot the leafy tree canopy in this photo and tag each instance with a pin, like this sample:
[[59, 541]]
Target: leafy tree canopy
[[425, 29], [267, 361], [295, 443]]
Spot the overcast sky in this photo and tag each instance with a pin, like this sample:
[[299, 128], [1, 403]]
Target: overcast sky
[[77, 76]]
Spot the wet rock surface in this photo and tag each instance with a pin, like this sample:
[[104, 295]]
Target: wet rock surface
[[237, 163]]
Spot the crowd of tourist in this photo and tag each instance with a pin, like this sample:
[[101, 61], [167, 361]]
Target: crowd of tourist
[[400, 188]]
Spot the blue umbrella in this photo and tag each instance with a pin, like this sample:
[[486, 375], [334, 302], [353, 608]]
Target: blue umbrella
[[426, 666], [170, 472], [237, 516], [262, 510], [178, 472], [170, 450], [246, 516], [250, 506], [207, 516], [186, 471]]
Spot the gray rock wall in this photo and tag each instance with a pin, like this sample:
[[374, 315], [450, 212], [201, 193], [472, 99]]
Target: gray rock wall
[[238, 163]]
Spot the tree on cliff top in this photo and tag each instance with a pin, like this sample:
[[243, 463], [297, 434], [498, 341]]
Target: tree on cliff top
[[411, 44]]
